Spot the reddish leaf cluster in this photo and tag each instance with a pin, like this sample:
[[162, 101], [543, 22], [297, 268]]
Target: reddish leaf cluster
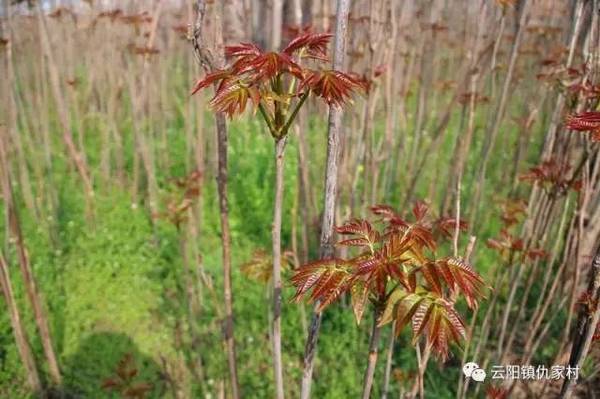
[[446, 226], [430, 315], [367, 82], [512, 211], [467, 97], [187, 189], [508, 245], [334, 87], [569, 80], [314, 43], [496, 392], [552, 175], [402, 376], [327, 278], [260, 267], [124, 381], [395, 269], [588, 90], [276, 82], [588, 121], [589, 303]]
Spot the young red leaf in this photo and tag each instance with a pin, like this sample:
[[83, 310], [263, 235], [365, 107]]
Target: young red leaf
[[386, 211], [138, 390], [402, 302], [456, 274], [447, 226], [260, 267], [220, 75], [329, 288], [432, 276], [110, 383], [421, 235], [242, 50], [536, 253], [314, 43], [233, 98], [437, 335], [388, 215], [327, 278], [364, 233], [421, 318], [496, 392], [386, 261], [551, 173], [334, 87], [359, 295], [268, 65], [244, 53], [512, 210], [420, 210], [585, 121], [431, 316], [442, 325]]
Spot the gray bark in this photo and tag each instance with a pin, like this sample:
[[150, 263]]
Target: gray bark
[[212, 59], [276, 235], [334, 136]]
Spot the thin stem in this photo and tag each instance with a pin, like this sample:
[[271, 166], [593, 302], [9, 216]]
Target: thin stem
[[277, 286], [373, 352], [33, 378], [267, 119], [293, 115], [586, 326], [331, 182], [228, 322], [388, 363], [211, 59]]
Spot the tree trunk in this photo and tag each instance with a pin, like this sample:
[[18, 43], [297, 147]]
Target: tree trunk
[[33, 378], [234, 21], [12, 122], [276, 235], [586, 326], [388, 363], [28, 278], [226, 239], [210, 61], [492, 133], [76, 156], [277, 14], [372, 359], [331, 182], [307, 203]]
